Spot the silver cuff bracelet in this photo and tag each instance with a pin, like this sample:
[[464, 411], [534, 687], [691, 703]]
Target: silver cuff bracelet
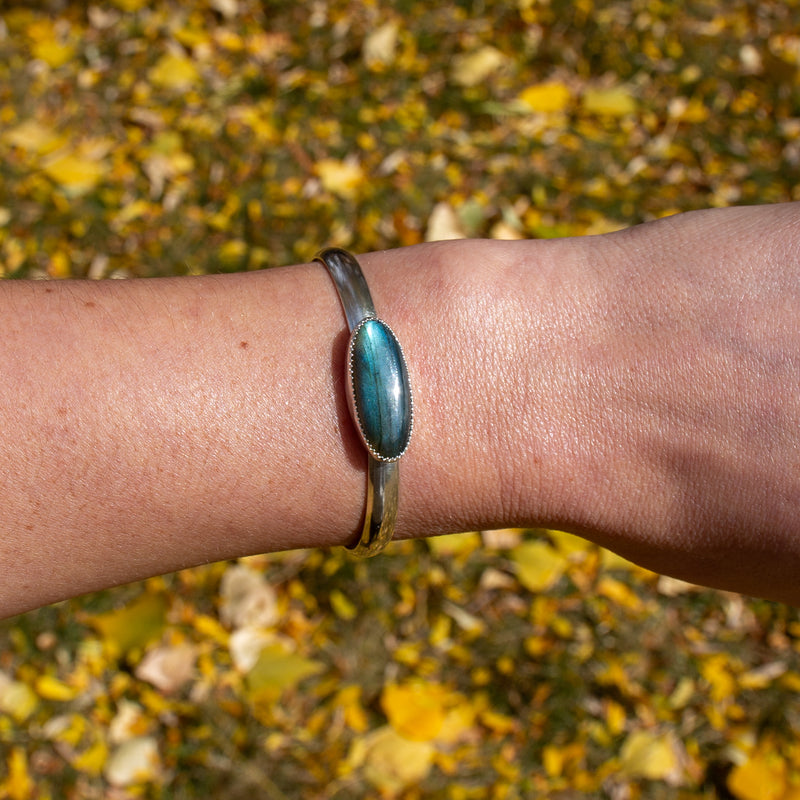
[[378, 394]]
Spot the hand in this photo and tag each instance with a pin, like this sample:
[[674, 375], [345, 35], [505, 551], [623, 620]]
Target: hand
[[679, 393]]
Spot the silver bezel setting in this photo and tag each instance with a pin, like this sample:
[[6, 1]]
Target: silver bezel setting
[[351, 391]]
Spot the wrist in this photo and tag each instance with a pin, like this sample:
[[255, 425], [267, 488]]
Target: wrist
[[490, 330]]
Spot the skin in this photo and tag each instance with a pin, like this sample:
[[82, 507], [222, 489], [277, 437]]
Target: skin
[[638, 388]]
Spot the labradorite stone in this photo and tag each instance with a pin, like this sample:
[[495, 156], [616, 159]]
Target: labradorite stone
[[380, 389]]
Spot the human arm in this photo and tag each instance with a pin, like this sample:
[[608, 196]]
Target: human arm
[[153, 425], [638, 388]]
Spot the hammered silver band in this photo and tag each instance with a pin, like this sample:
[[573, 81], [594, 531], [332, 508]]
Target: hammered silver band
[[383, 474]]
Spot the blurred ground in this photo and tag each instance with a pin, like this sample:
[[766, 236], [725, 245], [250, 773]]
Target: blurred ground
[[212, 135]]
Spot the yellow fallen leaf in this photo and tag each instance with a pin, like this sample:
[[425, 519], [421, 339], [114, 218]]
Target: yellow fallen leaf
[[612, 560], [560, 760], [650, 755], [761, 777], [470, 69], [348, 700], [59, 266], [135, 625], [342, 178], [683, 693], [231, 254], [546, 97], [52, 52], [615, 673], [538, 565], [92, 759], [573, 547], [68, 729], [458, 722], [17, 699], [190, 35], [50, 688], [440, 631], [48, 42], [74, 173], [130, 212], [259, 120], [391, 762], [717, 671], [415, 710], [209, 628], [614, 102], [618, 593], [408, 653], [229, 40], [342, 605], [18, 784], [452, 544], [278, 669], [497, 722], [33, 136], [174, 71], [553, 761], [615, 717]]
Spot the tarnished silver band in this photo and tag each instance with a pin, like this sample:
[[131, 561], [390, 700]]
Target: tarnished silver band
[[383, 476]]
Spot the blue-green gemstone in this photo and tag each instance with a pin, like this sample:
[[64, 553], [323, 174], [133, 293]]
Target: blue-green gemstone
[[380, 391]]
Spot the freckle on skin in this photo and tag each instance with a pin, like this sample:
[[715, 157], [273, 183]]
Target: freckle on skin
[[244, 345], [89, 304]]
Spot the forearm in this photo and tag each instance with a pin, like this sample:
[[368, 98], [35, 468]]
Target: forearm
[[153, 425]]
